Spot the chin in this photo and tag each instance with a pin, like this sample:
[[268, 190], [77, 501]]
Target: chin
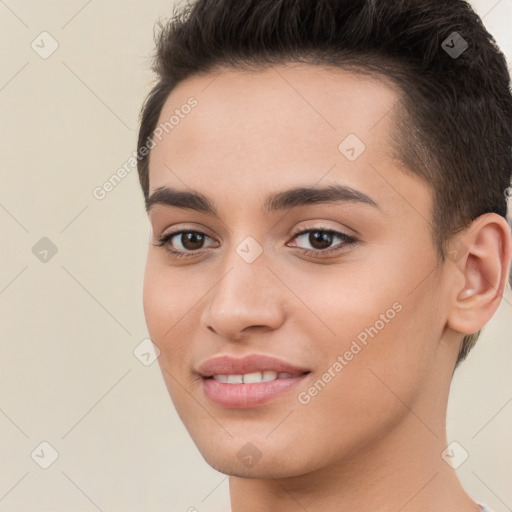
[[260, 459]]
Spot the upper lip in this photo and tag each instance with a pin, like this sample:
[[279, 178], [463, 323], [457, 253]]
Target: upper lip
[[228, 365]]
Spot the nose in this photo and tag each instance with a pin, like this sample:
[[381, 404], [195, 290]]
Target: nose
[[247, 297]]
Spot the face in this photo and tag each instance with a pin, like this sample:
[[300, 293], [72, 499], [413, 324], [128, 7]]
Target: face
[[344, 285]]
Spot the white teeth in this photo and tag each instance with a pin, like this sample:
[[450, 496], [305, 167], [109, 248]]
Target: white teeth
[[255, 377], [220, 378], [269, 375], [248, 378]]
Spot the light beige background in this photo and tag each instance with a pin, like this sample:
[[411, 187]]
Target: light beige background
[[68, 374]]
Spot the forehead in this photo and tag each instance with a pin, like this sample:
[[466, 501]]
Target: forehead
[[261, 130]]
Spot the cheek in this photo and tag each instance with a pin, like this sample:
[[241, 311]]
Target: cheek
[[371, 369], [156, 299], [168, 302], [382, 325], [173, 300], [168, 291]]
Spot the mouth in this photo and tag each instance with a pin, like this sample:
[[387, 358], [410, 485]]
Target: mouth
[[250, 390], [250, 381], [254, 377], [250, 366]]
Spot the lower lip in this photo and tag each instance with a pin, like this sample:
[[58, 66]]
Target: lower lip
[[245, 396]]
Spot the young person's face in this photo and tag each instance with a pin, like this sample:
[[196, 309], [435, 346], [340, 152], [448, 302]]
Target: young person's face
[[379, 303]]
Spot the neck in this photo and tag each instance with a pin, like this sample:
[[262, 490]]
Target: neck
[[403, 471]]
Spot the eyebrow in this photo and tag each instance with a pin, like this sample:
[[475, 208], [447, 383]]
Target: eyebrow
[[292, 198]]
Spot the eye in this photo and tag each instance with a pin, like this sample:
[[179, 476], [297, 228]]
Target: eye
[[187, 242], [321, 239]]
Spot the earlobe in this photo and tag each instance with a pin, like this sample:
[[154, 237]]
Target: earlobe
[[484, 268]]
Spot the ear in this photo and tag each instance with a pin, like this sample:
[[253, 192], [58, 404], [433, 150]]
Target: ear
[[481, 257]]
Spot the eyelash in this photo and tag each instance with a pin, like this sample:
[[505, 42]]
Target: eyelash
[[164, 240]]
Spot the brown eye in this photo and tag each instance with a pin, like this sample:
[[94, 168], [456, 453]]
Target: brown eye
[[322, 241], [184, 242], [191, 240]]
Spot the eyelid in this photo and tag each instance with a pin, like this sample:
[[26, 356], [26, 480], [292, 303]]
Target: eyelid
[[184, 227], [319, 225]]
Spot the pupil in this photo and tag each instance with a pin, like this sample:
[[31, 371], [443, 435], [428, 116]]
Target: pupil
[[321, 237], [191, 241]]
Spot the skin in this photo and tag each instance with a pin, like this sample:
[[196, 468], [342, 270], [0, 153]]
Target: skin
[[372, 438]]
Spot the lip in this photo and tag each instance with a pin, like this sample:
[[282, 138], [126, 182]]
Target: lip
[[228, 365], [245, 396]]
